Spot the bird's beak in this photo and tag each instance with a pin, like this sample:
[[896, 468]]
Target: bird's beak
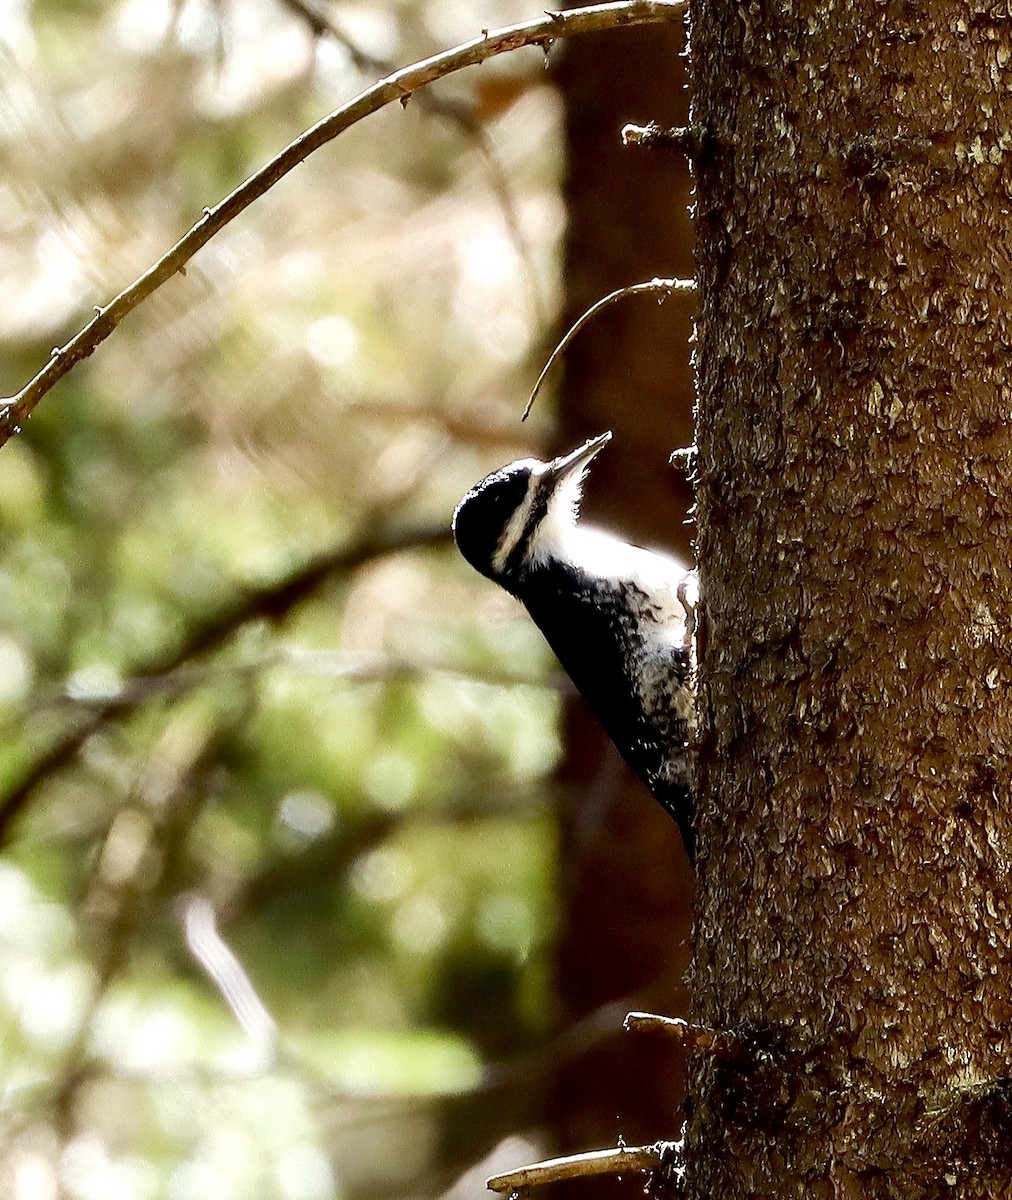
[[579, 458]]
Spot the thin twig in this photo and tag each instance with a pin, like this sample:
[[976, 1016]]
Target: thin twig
[[684, 459], [637, 1022], [664, 286], [15, 410], [580, 1166], [721, 1043]]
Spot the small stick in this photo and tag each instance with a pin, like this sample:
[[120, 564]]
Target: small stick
[[694, 1037], [688, 139], [580, 1166], [683, 459], [657, 284]]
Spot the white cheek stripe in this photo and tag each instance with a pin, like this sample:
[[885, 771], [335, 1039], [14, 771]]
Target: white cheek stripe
[[551, 537], [517, 523]]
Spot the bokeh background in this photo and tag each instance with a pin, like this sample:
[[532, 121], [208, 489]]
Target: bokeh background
[[316, 881]]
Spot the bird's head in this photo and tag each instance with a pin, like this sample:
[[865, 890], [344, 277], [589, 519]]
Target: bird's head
[[517, 516]]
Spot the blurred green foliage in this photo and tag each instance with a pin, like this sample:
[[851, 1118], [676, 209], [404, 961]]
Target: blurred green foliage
[[351, 767]]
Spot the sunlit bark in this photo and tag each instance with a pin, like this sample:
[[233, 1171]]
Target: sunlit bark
[[854, 529]]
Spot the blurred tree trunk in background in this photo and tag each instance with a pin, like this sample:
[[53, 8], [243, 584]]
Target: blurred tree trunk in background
[[854, 528], [626, 885]]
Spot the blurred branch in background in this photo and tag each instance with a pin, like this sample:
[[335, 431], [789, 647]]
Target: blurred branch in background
[[464, 117], [397, 87], [137, 690], [226, 972], [128, 880], [332, 857], [272, 603]]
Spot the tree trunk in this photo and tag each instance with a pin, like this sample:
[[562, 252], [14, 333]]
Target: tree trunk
[[854, 522]]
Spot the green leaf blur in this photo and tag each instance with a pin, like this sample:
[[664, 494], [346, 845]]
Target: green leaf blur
[[349, 761]]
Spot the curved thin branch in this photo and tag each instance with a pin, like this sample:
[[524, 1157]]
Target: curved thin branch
[[15, 410], [657, 284]]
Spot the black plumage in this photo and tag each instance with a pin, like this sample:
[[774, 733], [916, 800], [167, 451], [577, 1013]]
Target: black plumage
[[618, 617]]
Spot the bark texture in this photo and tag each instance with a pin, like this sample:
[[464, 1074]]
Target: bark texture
[[855, 533]]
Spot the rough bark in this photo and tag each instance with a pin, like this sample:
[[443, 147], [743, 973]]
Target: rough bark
[[854, 538], [625, 886]]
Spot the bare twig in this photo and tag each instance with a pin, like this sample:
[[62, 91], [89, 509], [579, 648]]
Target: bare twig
[[272, 602], [15, 410], [721, 1043], [637, 1022], [664, 286], [579, 1166]]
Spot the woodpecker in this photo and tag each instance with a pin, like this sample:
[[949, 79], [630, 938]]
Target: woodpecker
[[619, 618]]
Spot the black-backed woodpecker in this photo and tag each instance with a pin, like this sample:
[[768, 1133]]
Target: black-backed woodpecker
[[619, 618]]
